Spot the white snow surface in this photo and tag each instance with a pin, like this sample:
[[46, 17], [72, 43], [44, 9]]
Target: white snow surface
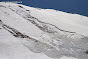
[[34, 33]]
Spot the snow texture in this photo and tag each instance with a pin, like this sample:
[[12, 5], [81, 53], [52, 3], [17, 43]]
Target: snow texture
[[34, 33]]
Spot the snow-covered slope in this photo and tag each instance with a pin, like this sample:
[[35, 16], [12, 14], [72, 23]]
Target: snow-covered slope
[[33, 33]]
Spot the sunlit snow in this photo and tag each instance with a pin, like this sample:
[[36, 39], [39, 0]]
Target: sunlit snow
[[34, 33]]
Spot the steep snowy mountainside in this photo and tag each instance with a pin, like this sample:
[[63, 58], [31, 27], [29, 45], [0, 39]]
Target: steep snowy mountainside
[[65, 21], [41, 33]]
